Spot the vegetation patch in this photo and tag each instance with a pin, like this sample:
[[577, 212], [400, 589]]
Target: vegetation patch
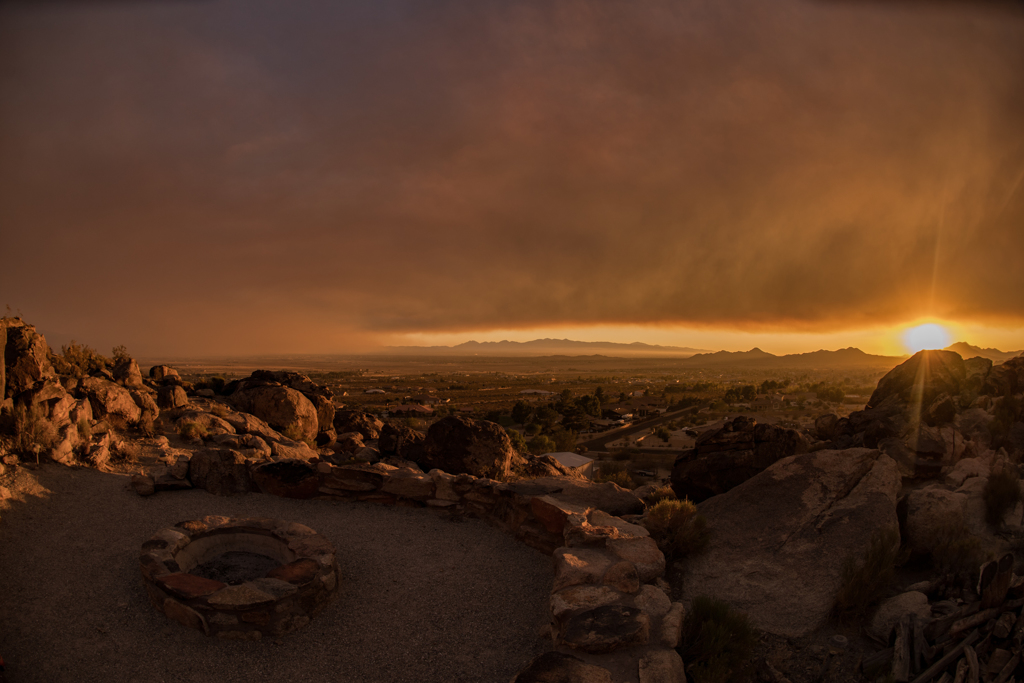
[[866, 579], [1001, 494], [718, 642], [677, 528]]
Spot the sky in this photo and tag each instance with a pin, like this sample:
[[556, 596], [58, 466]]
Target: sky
[[233, 177]]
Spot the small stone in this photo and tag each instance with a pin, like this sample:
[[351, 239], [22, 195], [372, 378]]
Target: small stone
[[622, 576], [576, 598], [240, 597], [555, 667], [188, 586], [273, 586], [672, 625], [890, 611], [576, 566], [297, 572], [185, 615], [663, 666], [606, 628], [653, 602], [642, 552], [143, 484]]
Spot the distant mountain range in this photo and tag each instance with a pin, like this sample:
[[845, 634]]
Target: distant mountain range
[[850, 357], [995, 355], [547, 347]]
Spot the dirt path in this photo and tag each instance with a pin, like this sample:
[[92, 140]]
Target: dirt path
[[422, 598]]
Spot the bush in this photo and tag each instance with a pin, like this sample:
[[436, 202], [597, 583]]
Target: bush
[[32, 430], [192, 431], [79, 360], [616, 473], [84, 430], [717, 641], [146, 426], [1002, 493], [677, 528], [956, 550], [864, 582], [659, 494]]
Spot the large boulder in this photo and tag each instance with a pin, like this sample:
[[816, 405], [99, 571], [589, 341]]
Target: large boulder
[[922, 379], [109, 399], [1006, 379], [400, 441], [354, 421], [780, 539], [171, 396], [284, 409], [26, 357], [126, 371], [221, 471], [727, 457], [321, 397], [164, 374], [460, 445]]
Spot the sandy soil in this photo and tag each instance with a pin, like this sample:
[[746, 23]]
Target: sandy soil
[[422, 598]]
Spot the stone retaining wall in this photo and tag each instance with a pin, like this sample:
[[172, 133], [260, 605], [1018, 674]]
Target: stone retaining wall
[[609, 605]]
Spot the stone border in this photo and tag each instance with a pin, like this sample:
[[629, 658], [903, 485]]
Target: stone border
[[282, 601], [609, 602]]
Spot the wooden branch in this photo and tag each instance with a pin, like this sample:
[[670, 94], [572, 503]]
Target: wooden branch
[[961, 671], [948, 659], [932, 671], [974, 620], [973, 670], [1005, 672], [901, 650]]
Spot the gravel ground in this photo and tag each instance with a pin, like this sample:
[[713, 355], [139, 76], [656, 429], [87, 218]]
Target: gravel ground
[[422, 598]]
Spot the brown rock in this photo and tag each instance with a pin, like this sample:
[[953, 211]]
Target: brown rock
[[239, 597], [555, 667], [922, 378], [188, 586], [606, 628], [284, 409], [662, 666], [26, 356], [110, 400], [143, 484], [354, 421], [185, 615], [126, 371], [462, 445], [780, 539], [287, 479], [406, 484], [220, 471], [171, 396], [643, 553], [296, 573], [164, 373]]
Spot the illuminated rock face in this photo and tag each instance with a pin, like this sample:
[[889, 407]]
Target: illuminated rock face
[[303, 579]]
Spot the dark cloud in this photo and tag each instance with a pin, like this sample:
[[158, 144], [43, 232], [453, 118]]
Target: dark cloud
[[311, 175]]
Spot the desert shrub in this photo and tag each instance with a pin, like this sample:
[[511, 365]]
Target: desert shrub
[[956, 550], [192, 431], [620, 477], [220, 410], [84, 430], [865, 580], [79, 360], [540, 444], [1001, 494], [659, 494], [717, 642], [32, 430], [677, 528], [120, 354], [518, 442], [128, 451]]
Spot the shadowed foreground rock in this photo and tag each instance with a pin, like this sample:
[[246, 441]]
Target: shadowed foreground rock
[[779, 540], [460, 445]]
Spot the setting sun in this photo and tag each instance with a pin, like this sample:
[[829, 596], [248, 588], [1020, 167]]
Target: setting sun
[[927, 336]]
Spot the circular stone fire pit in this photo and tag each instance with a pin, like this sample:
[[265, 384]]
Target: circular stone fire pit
[[239, 578]]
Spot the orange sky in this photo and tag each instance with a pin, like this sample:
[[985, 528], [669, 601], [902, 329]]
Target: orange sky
[[239, 177]]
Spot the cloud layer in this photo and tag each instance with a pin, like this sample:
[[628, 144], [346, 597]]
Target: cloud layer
[[313, 175]]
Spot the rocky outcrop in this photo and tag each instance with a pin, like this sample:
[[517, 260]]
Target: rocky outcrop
[[110, 400], [126, 371], [164, 374], [930, 515], [367, 425], [319, 397], [922, 379], [284, 409], [779, 540], [171, 396], [1006, 379], [729, 456], [460, 445], [26, 357]]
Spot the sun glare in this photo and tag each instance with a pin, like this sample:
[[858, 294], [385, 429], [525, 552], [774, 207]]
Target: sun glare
[[927, 336]]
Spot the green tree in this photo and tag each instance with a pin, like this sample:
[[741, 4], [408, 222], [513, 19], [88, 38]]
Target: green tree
[[547, 416], [540, 445], [663, 434], [518, 442], [522, 412], [591, 405], [564, 440], [599, 395]]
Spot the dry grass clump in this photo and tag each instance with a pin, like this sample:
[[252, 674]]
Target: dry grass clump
[[956, 550], [659, 494], [677, 528], [718, 642], [865, 580], [1002, 493], [128, 451], [192, 431], [616, 473], [31, 429]]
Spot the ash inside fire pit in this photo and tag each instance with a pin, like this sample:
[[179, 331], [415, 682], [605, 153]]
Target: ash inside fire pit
[[235, 567]]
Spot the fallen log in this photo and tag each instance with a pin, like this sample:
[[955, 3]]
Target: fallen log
[[932, 671]]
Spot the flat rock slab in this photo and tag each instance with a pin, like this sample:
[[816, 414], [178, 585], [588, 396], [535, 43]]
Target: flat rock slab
[[606, 628], [780, 539]]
